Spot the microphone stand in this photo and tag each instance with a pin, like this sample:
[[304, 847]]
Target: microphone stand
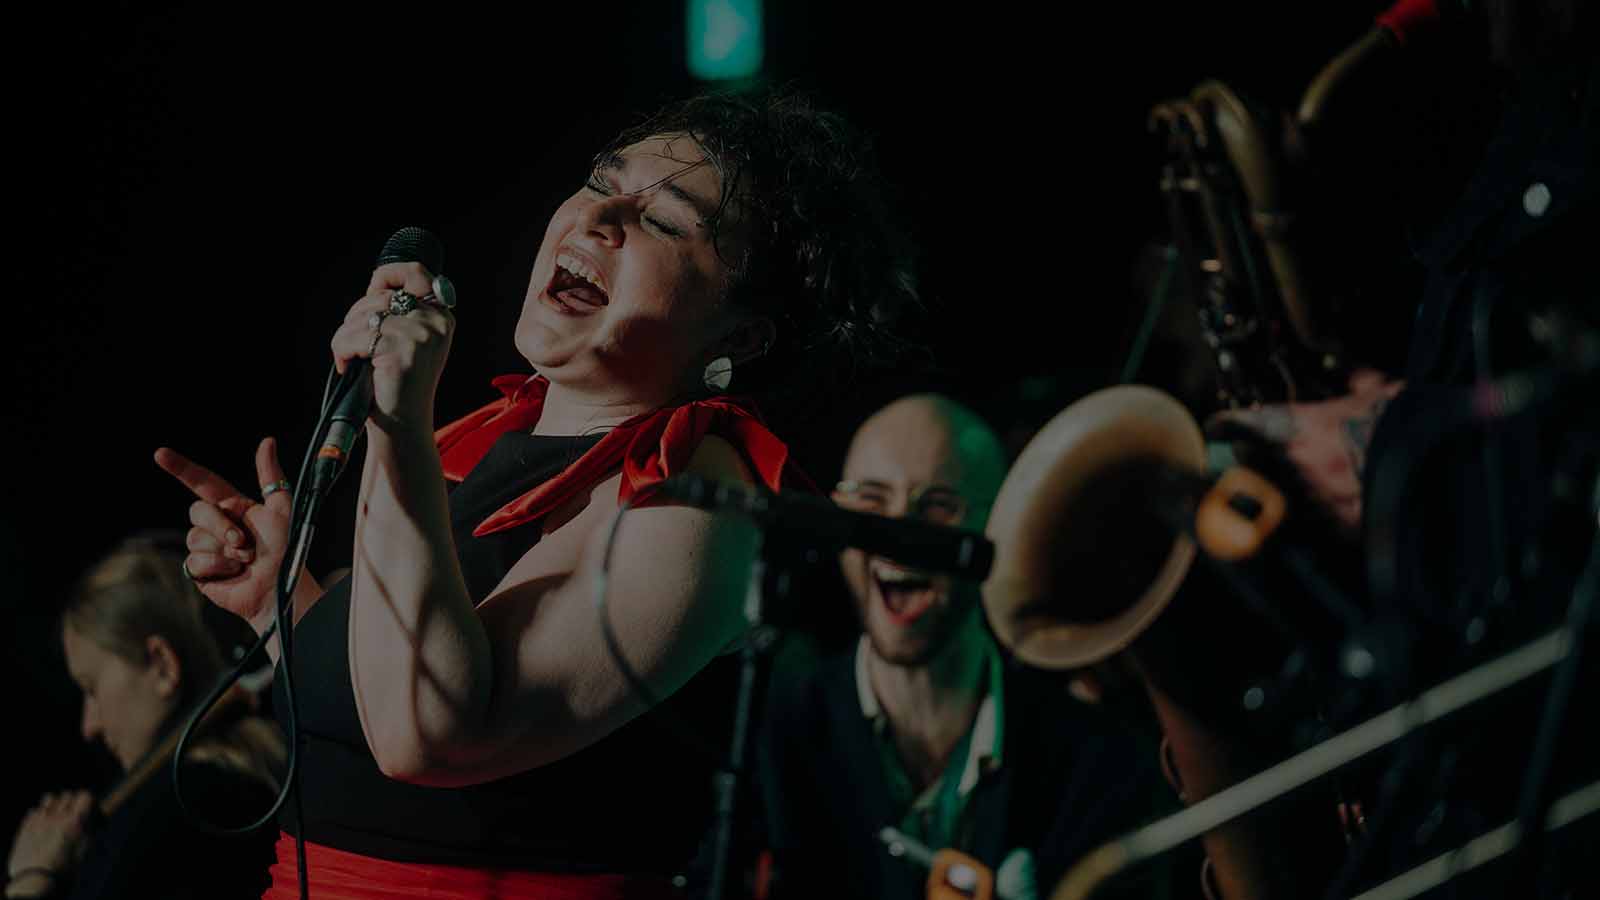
[[1535, 799], [726, 782], [822, 525]]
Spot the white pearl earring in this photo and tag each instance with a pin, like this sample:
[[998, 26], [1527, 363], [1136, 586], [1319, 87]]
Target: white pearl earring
[[718, 374]]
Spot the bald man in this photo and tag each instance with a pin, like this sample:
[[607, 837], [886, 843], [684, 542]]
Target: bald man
[[924, 727]]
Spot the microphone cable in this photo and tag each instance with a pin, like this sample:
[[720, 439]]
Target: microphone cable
[[405, 245], [301, 530]]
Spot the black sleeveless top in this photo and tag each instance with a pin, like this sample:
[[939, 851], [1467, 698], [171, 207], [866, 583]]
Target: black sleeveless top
[[637, 801]]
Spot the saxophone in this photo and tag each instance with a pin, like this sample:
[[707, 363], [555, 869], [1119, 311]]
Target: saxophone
[[1101, 518], [1234, 227], [1266, 287]]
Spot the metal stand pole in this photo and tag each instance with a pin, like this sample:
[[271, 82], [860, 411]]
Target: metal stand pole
[[727, 781]]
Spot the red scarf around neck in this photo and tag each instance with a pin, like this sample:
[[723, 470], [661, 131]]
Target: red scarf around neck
[[648, 448]]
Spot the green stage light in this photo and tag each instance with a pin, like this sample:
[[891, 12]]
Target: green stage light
[[724, 39]]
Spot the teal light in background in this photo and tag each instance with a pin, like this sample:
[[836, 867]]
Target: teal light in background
[[724, 39]]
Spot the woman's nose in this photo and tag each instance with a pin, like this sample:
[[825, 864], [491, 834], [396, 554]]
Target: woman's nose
[[603, 219]]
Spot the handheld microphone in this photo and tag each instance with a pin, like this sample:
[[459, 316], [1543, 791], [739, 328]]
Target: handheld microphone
[[353, 394], [824, 526]]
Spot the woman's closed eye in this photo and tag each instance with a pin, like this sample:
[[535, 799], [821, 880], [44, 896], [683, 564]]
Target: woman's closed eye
[[663, 226], [656, 222]]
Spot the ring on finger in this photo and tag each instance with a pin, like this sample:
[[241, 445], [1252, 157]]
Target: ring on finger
[[401, 302], [377, 335], [188, 574], [443, 294], [267, 490]]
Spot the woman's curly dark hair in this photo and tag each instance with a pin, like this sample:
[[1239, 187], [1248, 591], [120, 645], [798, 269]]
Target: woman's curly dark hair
[[824, 256]]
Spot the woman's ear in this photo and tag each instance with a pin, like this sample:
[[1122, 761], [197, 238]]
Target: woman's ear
[[163, 661], [747, 340]]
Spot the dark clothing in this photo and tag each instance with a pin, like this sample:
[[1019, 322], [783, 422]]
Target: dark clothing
[[606, 809], [1069, 781], [1522, 233], [1464, 505], [516, 464], [150, 848], [1484, 544]]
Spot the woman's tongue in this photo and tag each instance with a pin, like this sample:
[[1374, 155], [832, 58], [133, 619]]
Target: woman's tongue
[[575, 291], [581, 296]]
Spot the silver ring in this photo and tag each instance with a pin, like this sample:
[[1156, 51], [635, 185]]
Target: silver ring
[[401, 303], [267, 490], [188, 574], [444, 292]]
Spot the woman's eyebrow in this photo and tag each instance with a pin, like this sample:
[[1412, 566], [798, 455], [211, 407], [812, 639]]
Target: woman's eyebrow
[[700, 205], [617, 164]]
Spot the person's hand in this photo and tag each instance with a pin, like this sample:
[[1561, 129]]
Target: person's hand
[[48, 843], [236, 543], [407, 349], [1324, 442]]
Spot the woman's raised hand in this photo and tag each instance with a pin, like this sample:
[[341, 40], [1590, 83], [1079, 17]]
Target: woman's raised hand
[[407, 342], [236, 543]]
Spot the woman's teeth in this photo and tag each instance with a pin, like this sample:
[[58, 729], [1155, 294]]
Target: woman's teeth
[[578, 267]]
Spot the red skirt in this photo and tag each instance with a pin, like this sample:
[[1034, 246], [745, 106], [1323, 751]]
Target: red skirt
[[338, 875]]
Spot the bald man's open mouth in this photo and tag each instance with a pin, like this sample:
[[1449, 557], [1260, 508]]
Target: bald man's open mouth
[[906, 594]]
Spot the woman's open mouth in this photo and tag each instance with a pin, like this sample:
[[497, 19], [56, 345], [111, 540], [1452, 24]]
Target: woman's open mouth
[[575, 288]]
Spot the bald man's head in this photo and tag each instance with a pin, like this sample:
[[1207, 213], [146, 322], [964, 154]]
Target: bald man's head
[[931, 440], [927, 457]]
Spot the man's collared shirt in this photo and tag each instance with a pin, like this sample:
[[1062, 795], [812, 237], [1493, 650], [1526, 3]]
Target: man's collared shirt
[[936, 816]]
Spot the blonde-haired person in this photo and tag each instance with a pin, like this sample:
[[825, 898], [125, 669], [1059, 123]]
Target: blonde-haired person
[[138, 646]]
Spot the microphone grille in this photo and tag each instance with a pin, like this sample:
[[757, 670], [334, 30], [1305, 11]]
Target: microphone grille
[[416, 245]]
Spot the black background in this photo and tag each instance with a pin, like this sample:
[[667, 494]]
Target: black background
[[205, 188]]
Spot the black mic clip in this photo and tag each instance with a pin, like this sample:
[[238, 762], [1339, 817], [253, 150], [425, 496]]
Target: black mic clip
[[825, 527]]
